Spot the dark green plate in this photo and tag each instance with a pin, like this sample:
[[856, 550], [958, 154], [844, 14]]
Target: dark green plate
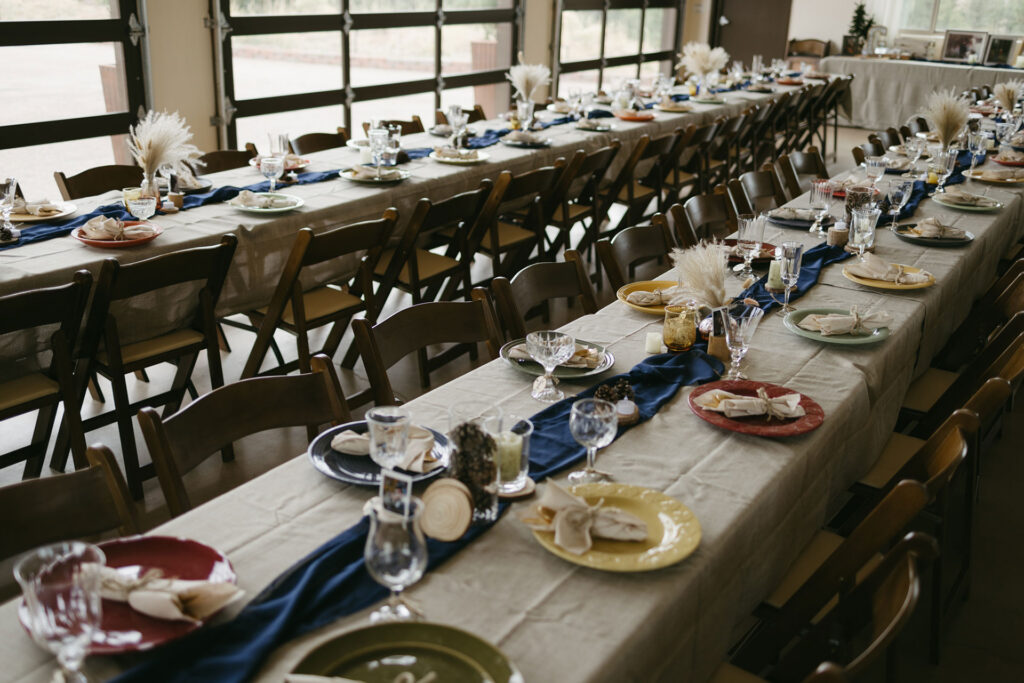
[[532, 367], [377, 654]]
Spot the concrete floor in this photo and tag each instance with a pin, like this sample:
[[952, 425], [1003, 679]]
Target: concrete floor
[[983, 639]]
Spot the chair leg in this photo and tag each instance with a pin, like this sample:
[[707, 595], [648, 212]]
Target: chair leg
[[351, 356], [181, 377], [94, 389], [424, 370], [40, 438], [125, 430], [222, 339]]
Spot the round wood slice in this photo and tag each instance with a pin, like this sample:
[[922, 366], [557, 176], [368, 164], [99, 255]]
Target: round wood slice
[[447, 510]]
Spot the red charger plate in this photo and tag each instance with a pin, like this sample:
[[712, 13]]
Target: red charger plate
[[117, 244], [125, 630], [303, 163], [790, 81], [758, 425], [765, 247], [1007, 163], [635, 116]]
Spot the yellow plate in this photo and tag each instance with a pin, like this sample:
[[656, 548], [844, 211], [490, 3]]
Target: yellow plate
[[976, 175], [673, 531], [645, 286], [885, 284]]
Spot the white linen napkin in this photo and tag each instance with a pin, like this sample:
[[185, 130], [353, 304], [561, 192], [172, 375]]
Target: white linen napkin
[[899, 164], [525, 136], [185, 180], [931, 227], [261, 201], [955, 195], [1007, 154], [418, 456], [875, 268], [103, 228], [576, 523], [590, 124], [584, 357], [561, 107], [655, 297], [41, 208], [1002, 174], [165, 598], [453, 153], [370, 173], [854, 322], [789, 213], [735, 405]]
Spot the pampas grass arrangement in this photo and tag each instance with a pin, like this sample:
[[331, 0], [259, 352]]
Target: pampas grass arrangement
[[701, 270], [1008, 93], [701, 59], [947, 113], [162, 140], [528, 78]]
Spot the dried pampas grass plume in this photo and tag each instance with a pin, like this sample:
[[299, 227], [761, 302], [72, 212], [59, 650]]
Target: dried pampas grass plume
[[947, 114], [1008, 93], [162, 140], [701, 270], [528, 78]]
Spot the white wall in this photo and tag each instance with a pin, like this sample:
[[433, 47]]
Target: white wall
[[829, 19]]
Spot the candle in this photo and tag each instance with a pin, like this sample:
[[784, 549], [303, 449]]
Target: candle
[[775, 275], [510, 453], [365, 155], [653, 343], [838, 235]]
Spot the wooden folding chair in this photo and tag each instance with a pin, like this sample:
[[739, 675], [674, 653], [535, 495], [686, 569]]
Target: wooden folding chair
[[97, 180], [708, 215], [407, 127], [798, 169], [756, 191], [475, 114], [225, 159], [581, 197], [678, 226], [651, 168], [317, 142], [620, 255]]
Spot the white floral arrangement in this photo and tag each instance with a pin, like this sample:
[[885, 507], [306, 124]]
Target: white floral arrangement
[[701, 59], [947, 113], [162, 140], [527, 79]]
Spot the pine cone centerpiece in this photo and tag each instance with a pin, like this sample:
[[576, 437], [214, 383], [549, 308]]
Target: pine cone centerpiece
[[614, 393], [473, 463]]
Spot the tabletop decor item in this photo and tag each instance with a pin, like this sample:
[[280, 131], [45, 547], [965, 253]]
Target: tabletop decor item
[[575, 524], [111, 233], [701, 273], [622, 396], [648, 296], [161, 140], [396, 556], [947, 113], [967, 201], [527, 79], [342, 453], [756, 408], [790, 261], [874, 271], [514, 457], [474, 464], [740, 325], [862, 229], [839, 325], [588, 359], [8, 195], [593, 423], [812, 261], [702, 60], [550, 349], [266, 202], [447, 510], [1007, 93]]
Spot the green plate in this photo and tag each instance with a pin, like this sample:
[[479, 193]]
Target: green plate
[[966, 207], [532, 367], [377, 654], [792, 320]]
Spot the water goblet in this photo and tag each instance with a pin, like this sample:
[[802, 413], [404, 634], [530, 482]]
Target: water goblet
[[790, 257], [874, 167], [749, 235], [821, 201], [395, 556], [946, 165], [272, 168], [862, 229], [8, 193], [593, 423], [741, 324], [550, 349], [898, 193], [458, 123], [62, 601], [279, 145], [393, 147], [976, 145], [378, 146], [388, 427], [139, 205]]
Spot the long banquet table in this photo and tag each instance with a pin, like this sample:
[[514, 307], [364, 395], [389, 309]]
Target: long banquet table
[[887, 92], [758, 500]]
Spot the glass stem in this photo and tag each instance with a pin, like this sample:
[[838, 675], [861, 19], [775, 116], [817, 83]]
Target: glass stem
[[591, 457], [786, 305], [734, 366], [273, 184]]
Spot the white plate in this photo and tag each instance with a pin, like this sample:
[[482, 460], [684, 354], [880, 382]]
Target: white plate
[[480, 157], [358, 144], [347, 174], [276, 209], [69, 209], [938, 197]]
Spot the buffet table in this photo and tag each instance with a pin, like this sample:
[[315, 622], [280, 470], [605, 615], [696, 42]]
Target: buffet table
[[887, 92], [758, 500]]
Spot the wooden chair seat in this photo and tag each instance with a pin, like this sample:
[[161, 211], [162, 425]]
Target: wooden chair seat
[[155, 347], [26, 389], [428, 263], [576, 212], [926, 389], [512, 233], [320, 303], [639, 191], [728, 673], [896, 453]]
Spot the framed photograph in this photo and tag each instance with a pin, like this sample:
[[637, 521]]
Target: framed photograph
[[960, 45], [851, 45], [1000, 50]]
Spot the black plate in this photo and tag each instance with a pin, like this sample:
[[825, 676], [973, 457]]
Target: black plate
[[360, 469], [800, 224], [205, 185], [527, 145], [900, 231]]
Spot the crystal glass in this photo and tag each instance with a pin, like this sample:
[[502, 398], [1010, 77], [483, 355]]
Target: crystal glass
[[898, 194], [749, 235], [593, 423], [141, 206], [8, 192], [272, 168], [524, 112], [862, 229], [942, 164], [457, 120], [378, 146], [914, 147], [874, 167], [388, 427], [790, 256], [396, 556], [514, 453], [393, 146], [679, 331], [279, 145], [62, 601], [977, 143], [550, 349], [821, 201], [741, 323]]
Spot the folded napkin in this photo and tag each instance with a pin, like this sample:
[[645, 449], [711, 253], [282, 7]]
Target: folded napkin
[[453, 153], [441, 129], [370, 173], [669, 104], [1002, 174], [585, 356], [261, 201], [734, 405], [591, 124], [576, 523], [655, 297], [875, 268], [418, 451], [525, 136], [932, 228], [1007, 154], [41, 208], [185, 180], [854, 322], [788, 213], [958, 196], [103, 228], [165, 598], [290, 160], [898, 164], [842, 184], [561, 107]]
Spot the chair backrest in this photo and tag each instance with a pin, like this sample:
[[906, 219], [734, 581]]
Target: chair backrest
[[917, 124], [798, 169], [538, 283], [316, 142], [634, 245], [708, 215], [225, 159], [179, 443], [475, 114], [890, 137], [694, 153], [762, 189], [675, 221], [808, 47], [532, 190], [84, 503], [584, 173], [406, 127], [98, 180], [415, 327]]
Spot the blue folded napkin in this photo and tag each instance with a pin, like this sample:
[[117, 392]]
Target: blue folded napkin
[[223, 194], [418, 152], [600, 114], [813, 261], [489, 137], [680, 98], [561, 120]]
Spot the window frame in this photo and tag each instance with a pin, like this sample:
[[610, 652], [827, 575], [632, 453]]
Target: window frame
[[344, 22], [126, 30]]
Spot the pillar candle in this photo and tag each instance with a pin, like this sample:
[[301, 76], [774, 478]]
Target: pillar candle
[[775, 276]]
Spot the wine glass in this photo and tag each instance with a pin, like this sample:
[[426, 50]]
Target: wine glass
[[139, 205], [388, 427], [790, 256], [749, 234], [898, 194], [550, 349], [946, 164], [976, 145], [395, 556], [593, 424], [62, 601], [821, 201], [272, 168], [739, 330], [874, 167], [378, 146], [862, 229], [458, 121], [8, 193]]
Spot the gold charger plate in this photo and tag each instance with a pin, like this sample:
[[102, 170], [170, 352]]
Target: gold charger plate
[[645, 286], [673, 530], [68, 209], [885, 284], [977, 175]]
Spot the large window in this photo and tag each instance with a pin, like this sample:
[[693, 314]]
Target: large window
[[71, 86], [312, 65], [994, 16], [600, 43]]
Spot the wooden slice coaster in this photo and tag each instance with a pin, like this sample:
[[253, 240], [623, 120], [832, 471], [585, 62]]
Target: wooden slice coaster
[[447, 510], [528, 490]]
